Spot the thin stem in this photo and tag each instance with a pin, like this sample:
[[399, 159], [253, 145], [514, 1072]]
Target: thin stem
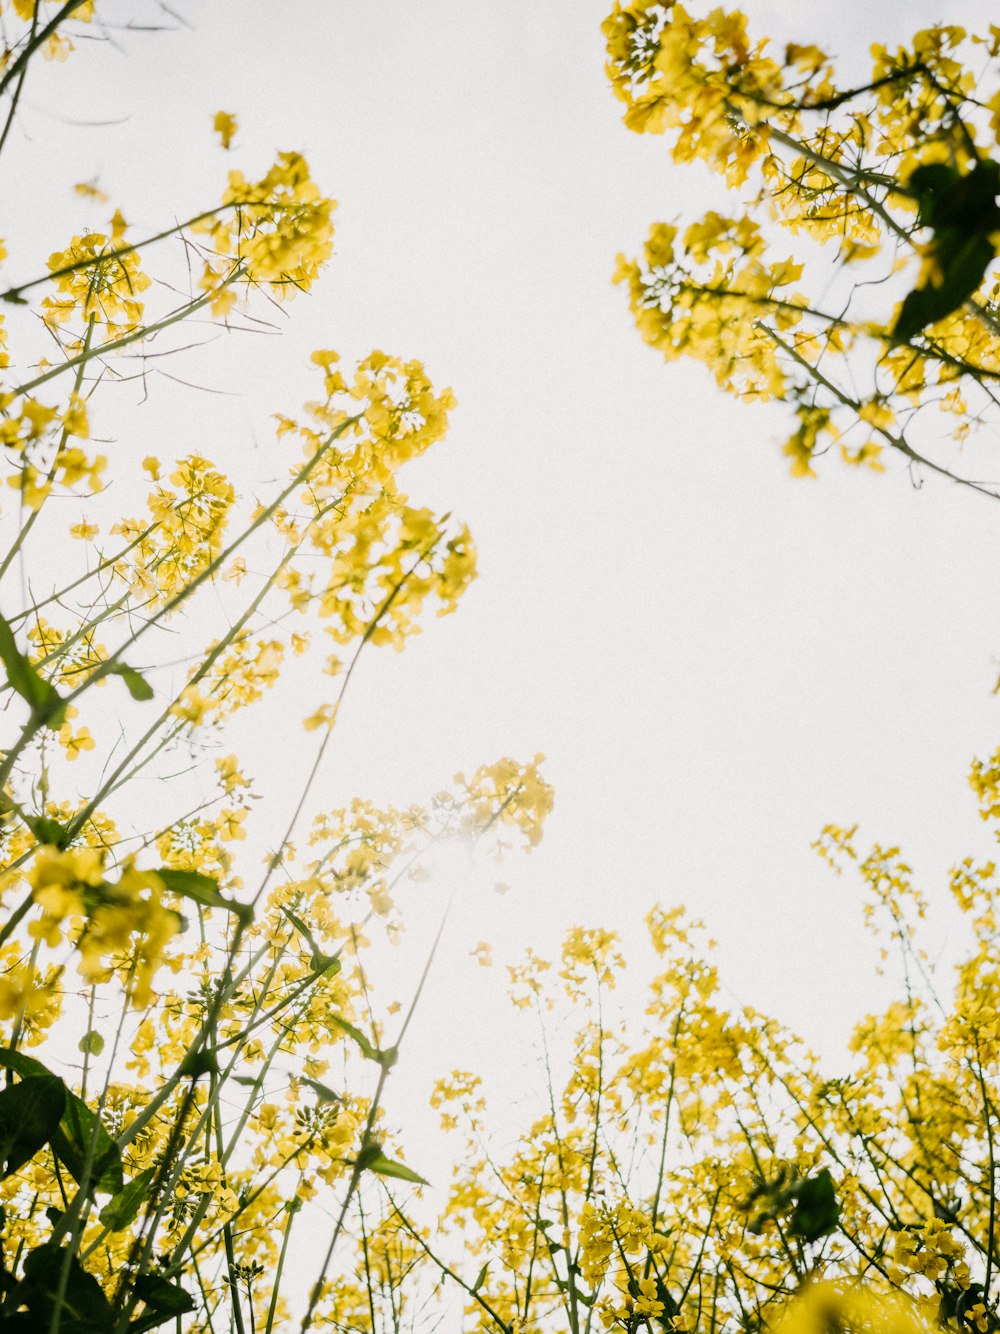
[[35, 41]]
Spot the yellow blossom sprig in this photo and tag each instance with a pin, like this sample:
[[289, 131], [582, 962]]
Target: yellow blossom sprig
[[208, 1016], [841, 165]]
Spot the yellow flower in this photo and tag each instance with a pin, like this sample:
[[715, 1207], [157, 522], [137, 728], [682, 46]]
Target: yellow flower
[[230, 824], [323, 717], [74, 743], [191, 705], [225, 126], [118, 228], [88, 190], [484, 953]]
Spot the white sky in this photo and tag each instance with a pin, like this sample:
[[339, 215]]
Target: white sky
[[717, 659]]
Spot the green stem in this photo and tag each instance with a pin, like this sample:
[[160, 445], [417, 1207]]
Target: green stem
[[35, 41]]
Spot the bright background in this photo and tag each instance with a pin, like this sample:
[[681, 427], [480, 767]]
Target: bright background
[[716, 658]]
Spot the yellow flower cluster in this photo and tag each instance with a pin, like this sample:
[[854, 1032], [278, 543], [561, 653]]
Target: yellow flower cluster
[[510, 794], [385, 557], [711, 307], [275, 232], [363, 844], [117, 927], [710, 1168], [228, 996], [821, 1306], [930, 1250], [837, 165], [96, 281], [39, 440], [182, 534]]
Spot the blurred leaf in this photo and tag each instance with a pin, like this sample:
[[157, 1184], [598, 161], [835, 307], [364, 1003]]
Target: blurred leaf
[[202, 889], [49, 831], [198, 1063], [962, 212], [322, 1092], [71, 1139], [29, 1117], [91, 1044], [816, 1209], [372, 1159], [164, 1301], [357, 1036], [47, 707], [136, 684], [60, 1294], [124, 1207]]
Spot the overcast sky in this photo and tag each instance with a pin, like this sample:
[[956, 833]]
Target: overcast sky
[[716, 658]]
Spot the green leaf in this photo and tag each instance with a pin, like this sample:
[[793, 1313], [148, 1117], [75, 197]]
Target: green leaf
[[82, 1307], [372, 1159], [164, 1301], [47, 830], [91, 1044], [198, 1063], [202, 889], [322, 1092], [136, 684], [962, 211], [480, 1278], [386, 1057], [81, 1136], [124, 1208], [71, 1141], [29, 1117], [932, 184], [77, 1304], [321, 962], [47, 706], [962, 262], [816, 1209], [367, 1050]]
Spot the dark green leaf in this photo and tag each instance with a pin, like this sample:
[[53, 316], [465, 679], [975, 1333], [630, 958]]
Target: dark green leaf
[[29, 1117], [201, 889], [199, 1063], [164, 1301], [81, 1139], [71, 1141], [82, 1307], [961, 264], [947, 199], [21, 1064], [49, 831], [816, 1209], [124, 1208], [136, 684], [962, 211], [932, 184], [47, 707]]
